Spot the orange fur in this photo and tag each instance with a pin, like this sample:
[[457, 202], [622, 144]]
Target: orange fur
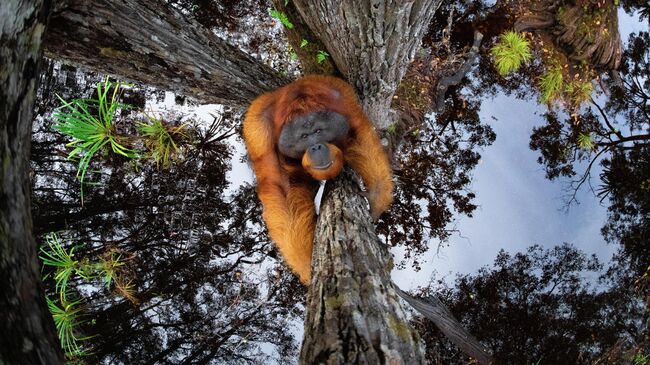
[[287, 189], [328, 173]]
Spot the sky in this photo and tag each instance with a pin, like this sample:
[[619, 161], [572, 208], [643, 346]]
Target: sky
[[518, 206]]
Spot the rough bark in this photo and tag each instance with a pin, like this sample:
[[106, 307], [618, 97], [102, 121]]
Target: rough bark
[[371, 42], [27, 333], [295, 36], [151, 43], [354, 315], [584, 32]]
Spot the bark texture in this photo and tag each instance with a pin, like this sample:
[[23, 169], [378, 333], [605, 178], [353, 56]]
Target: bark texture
[[371, 42], [353, 312], [27, 333], [585, 32], [154, 44], [301, 31]]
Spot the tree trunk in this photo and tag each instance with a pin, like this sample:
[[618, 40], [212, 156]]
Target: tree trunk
[[27, 333], [584, 32], [151, 43], [353, 312], [372, 42]]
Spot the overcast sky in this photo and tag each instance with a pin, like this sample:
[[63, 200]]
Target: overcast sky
[[518, 206]]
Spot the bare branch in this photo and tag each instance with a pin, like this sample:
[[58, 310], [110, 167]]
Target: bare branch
[[457, 77]]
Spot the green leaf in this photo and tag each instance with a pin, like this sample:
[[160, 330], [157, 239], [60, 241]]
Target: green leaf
[[54, 255], [321, 56], [510, 52], [282, 17], [67, 315], [160, 139], [90, 124], [551, 85], [585, 142]]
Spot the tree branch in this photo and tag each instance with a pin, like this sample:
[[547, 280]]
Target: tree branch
[[154, 44], [439, 314], [602, 114], [578, 183], [457, 77], [632, 138]]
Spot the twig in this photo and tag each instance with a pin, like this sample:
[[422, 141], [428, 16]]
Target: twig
[[457, 77], [578, 183], [446, 33]]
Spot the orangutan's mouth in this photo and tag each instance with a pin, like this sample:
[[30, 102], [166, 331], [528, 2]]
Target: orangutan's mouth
[[323, 167]]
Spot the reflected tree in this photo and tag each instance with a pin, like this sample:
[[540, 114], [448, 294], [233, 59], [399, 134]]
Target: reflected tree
[[614, 135]]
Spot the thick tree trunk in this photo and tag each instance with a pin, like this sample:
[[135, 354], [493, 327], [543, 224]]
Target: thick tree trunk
[[154, 44], [354, 315], [372, 42], [27, 333]]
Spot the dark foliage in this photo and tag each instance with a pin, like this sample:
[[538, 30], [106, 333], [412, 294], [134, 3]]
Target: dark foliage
[[642, 6], [537, 306], [626, 172], [620, 137], [435, 163], [626, 182], [193, 249]]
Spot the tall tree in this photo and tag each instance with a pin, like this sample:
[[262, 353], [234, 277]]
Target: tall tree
[[374, 57], [27, 332], [615, 135], [155, 44]]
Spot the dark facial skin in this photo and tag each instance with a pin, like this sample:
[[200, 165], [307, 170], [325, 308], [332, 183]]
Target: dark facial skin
[[311, 133], [320, 157]]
